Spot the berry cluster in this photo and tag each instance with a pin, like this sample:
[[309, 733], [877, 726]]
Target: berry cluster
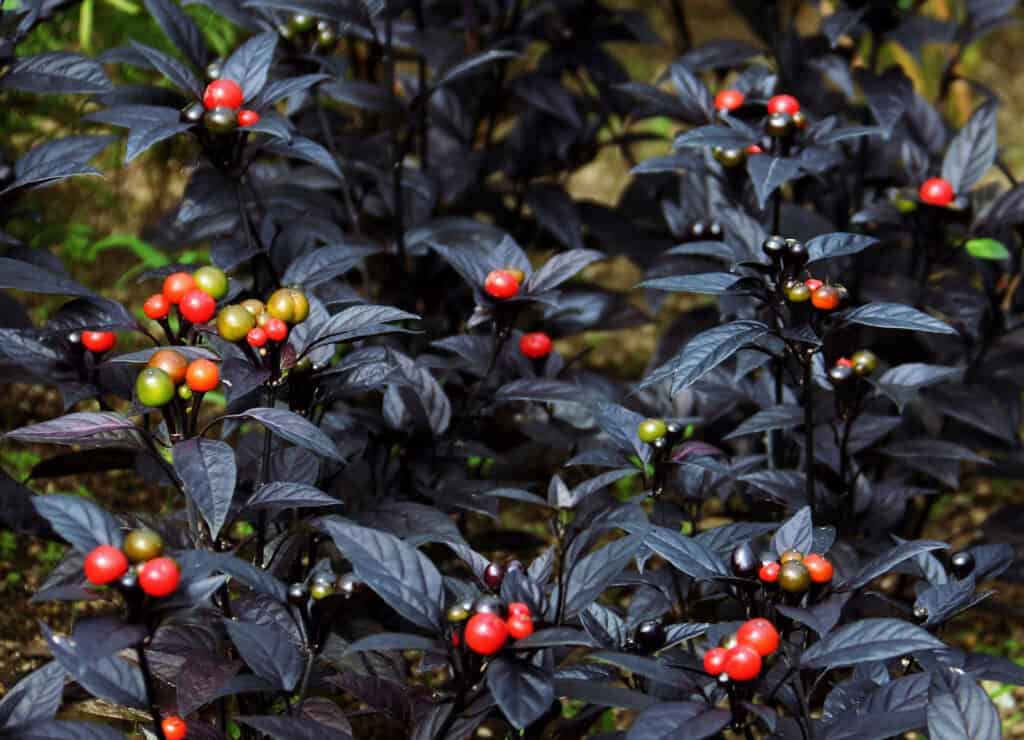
[[822, 296], [194, 296], [794, 572], [259, 323], [861, 364], [487, 623], [741, 656], [324, 584], [313, 31], [221, 110], [659, 434], [784, 117], [138, 563], [504, 283], [167, 371], [700, 231]]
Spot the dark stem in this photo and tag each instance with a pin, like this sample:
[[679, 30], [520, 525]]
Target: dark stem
[[264, 471], [809, 433], [147, 680]]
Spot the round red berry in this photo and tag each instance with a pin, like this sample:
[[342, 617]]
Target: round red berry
[[156, 306], [535, 345], [486, 633], [826, 298], [759, 634], [98, 341], [844, 362], [276, 330], [519, 608], [256, 337], [177, 285], [742, 663], [714, 661], [820, 569], [202, 375], [754, 149], [519, 626], [223, 94], [729, 100], [783, 104], [105, 564], [248, 118], [769, 572], [174, 728], [501, 284], [813, 284], [197, 306], [936, 191], [159, 577]]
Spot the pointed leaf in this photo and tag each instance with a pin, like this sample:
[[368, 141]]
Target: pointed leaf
[[866, 641], [522, 691], [207, 468]]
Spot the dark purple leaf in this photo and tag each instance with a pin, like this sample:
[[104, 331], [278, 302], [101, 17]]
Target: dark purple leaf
[[705, 352], [292, 728], [972, 151], [868, 640], [795, 534], [195, 564], [284, 495], [686, 554], [207, 469], [80, 522], [895, 316], [887, 561], [56, 72], [828, 246], [472, 65], [110, 678], [768, 174], [180, 29], [707, 283], [34, 698], [678, 719], [171, 68], [249, 64], [69, 730], [592, 574], [522, 691], [295, 429], [959, 708], [268, 652]]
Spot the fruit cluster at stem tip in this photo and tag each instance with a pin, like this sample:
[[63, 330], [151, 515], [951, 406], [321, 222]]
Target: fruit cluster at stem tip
[[741, 656], [138, 563]]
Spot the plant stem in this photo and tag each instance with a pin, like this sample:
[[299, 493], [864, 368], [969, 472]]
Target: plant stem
[[809, 433], [147, 680], [270, 395]]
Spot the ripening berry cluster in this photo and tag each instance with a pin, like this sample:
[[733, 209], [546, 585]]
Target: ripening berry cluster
[[741, 656], [138, 563], [324, 584], [304, 27], [659, 434], [846, 370], [221, 110], [168, 372], [794, 572], [486, 624], [503, 284], [700, 231], [783, 119], [259, 323], [193, 296]]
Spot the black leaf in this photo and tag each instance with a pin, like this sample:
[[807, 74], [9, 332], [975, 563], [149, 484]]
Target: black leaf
[[285, 495], [866, 641], [972, 151], [895, 316], [268, 652], [56, 72], [82, 524], [522, 691], [295, 429], [678, 719], [795, 534], [959, 708], [249, 64], [180, 29], [207, 469]]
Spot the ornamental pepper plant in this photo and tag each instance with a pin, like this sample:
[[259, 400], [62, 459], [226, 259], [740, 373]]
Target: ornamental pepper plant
[[394, 492]]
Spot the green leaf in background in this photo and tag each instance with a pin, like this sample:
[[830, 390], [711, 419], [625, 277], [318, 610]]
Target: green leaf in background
[[987, 249]]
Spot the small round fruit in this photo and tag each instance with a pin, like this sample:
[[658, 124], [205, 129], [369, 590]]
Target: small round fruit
[[326, 36], [535, 345], [248, 118], [300, 304], [754, 149], [349, 584], [800, 119], [489, 605], [501, 284], [798, 293], [864, 362], [651, 429], [779, 125], [220, 120], [176, 285], [519, 608], [744, 562], [105, 564], [920, 613], [936, 191], [794, 578], [320, 591], [214, 70], [790, 556], [174, 728], [486, 633], [154, 387], [325, 577], [729, 641], [714, 661], [254, 306], [159, 577], [457, 614], [241, 530], [518, 274], [280, 305], [783, 104], [742, 663], [185, 393], [826, 298], [223, 94], [202, 376], [813, 283], [197, 306], [820, 569], [256, 337], [731, 157], [840, 375], [796, 254], [769, 572], [962, 564], [156, 306], [129, 581], [649, 635], [234, 322], [99, 341], [519, 626], [301, 22], [211, 281], [674, 431], [759, 634], [729, 100], [494, 574], [192, 113], [141, 545], [297, 594], [714, 230], [774, 247], [276, 330], [844, 362]]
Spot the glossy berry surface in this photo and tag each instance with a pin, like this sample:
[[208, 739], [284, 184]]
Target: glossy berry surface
[[223, 94], [759, 634], [714, 661], [276, 330], [220, 120], [501, 284], [154, 387], [99, 341], [840, 375], [742, 663], [798, 293], [212, 281], [489, 605], [176, 285], [774, 247], [141, 545], [105, 564], [796, 254], [813, 284], [494, 573], [519, 626], [794, 578], [234, 322], [769, 572], [819, 569], [156, 306], [778, 125], [790, 556], [650, 635], [192, 113], [519, 608], [248, 118], [826, 298], [844, 362], [962, 564], [486, 633], [256, 337], [783, 104], [651, 430], [348, 584], [864, 362], [730, 156], [457, 614], [174, 728], [202, 375], [159, 577], [729, 100], [535, 345], [197, 306], [936, 191], [172, 362], [744, 562]]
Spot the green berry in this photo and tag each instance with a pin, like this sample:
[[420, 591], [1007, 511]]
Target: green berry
[[865, 362], [651, 429], [154, 387], [798, 293], [220, 120]]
